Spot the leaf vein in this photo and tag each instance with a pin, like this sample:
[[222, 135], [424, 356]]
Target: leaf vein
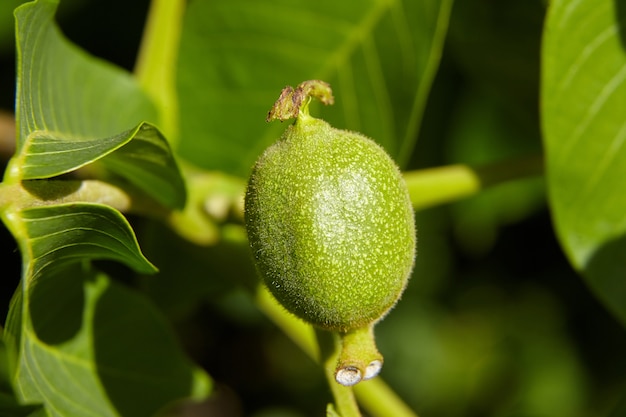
[[605, 93]]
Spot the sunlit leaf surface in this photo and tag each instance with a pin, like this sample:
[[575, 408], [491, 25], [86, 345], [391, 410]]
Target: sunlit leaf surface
[[74, 109], [57, 235], [584, 97], [64, 91], [77, 342], [378, 55]]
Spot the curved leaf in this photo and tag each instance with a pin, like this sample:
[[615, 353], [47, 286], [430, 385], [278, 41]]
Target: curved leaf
[[63, 90], [141, 155], [105, 345], [45, 155], [378, 55], [147, 161], [70, 326], [53, 236], [79, 343], [73, 109], [583, 99]]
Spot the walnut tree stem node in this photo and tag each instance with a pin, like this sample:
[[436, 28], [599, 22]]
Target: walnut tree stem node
[[292, 102]]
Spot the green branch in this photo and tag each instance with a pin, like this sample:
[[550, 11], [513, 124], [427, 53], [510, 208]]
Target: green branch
[[374, 395], [330, 346], [380, 400], [446, 184]]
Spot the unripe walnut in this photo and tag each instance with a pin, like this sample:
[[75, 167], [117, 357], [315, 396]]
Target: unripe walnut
[[331, 225]]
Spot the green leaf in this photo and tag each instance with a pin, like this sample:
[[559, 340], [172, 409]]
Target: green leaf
[[53, 236], [63, 92], [45, 155], [74, 109], [77, 342], [141, 155], [583, 101], [70, 326], [236, 56], [147, 161], [105, 345]]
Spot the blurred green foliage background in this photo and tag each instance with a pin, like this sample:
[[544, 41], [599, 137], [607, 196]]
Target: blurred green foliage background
[[494, 321]]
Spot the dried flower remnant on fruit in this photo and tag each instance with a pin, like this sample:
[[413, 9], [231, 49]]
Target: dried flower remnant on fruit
[[291, 100]]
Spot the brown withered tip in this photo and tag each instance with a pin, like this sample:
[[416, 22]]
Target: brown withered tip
[[291, 100]]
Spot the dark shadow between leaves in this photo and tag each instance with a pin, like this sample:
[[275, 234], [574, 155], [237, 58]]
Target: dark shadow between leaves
[[139, 362], [606, 275], [620, 16], [56, 304], [9, 407], [48, 190], [620, 409], [186, 269]]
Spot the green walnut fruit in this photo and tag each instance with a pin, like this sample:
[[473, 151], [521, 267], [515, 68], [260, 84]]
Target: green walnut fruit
[[330, 224]]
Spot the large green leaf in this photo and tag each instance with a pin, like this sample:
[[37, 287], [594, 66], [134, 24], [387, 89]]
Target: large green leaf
[[583, 98], [73, 109], [141, 155], [71, 327], [64, 92], [236, 56], [91, 347], [79, 343]]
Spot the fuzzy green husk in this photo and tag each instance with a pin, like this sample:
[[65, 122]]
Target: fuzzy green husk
[[331, 225]]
